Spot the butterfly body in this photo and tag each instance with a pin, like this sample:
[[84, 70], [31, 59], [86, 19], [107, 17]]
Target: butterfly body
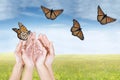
[[103, 18], [50, 13], [22, 32], [77, 30]]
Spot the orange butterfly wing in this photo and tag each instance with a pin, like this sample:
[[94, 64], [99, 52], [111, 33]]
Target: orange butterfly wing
[[22, 32], [100, 14], [51, 14], [22, 27], [80, 35], [18, 32], [103, 18], [56, 13], [103, 21], [46, 11], [76, 30], [109, 19], [76, 25]]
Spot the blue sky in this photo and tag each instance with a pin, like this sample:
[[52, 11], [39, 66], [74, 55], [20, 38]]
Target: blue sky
[[99, 39]]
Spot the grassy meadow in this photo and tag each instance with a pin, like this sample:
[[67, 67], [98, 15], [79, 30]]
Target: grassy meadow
[[72, 67]]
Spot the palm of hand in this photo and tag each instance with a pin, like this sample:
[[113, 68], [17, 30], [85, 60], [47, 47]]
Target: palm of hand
[[18, 53], [49, 59], [40, 53], [27, 56]]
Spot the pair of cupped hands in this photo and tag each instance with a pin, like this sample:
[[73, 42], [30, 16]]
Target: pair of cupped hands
[[35, 51]]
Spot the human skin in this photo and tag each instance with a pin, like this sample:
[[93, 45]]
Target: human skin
[[50, 53], [40, 61], [18, 67], [34, 52], [27, 55]]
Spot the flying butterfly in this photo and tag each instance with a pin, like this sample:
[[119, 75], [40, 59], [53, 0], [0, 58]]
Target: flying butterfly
[[103, 18], [22, 32], [50, 13], [76, 30]]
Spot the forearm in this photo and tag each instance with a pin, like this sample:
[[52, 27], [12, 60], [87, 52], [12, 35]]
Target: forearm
[[43, 72], [17, 70], [49, 67], [27, 73]]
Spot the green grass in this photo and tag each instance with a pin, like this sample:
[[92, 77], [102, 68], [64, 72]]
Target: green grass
[[72, 67]]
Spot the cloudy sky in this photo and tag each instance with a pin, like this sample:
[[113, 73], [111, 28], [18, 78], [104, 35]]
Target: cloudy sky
[[99, 39]]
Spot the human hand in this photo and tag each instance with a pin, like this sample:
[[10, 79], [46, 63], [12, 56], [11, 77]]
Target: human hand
[[50, 54], [50, 49], [40, 53], [18, 53], [18, 67], [28, 50]]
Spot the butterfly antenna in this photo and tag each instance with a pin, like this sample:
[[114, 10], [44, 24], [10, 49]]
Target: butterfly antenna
[[20, 24], [41, 6]]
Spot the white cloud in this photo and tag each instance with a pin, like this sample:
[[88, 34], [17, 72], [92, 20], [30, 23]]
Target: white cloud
[[12, 8], [76, 8], [86, 8], [8, 10], [96, 41], [30, 14], [29, 3], [8, 40]]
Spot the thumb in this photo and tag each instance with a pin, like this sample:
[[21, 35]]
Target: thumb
[[52, 51], [23, 55], [23, 51]]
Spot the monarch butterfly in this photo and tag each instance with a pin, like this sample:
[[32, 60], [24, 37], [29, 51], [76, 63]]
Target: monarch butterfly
[[22, 32], [50, 13], [103, 18], [76, 30]]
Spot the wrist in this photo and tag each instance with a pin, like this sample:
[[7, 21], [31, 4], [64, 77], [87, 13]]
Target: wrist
[[48, 65], [29, 67], [19, 64], [41, 65]]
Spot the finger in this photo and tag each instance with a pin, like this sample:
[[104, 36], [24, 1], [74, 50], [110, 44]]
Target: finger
[[33, 40], [18, 51], [23, 56], [40, 38], [18, 47], [36, 45], [33, 37], [40, 35], [30, 35], [39, 47], [29, 38], [23, 51], [24, 45], [47, 42], [39, 44], [43, 41], [51, 49], [37, 50], [29, 46], [44, 51], [35, 57]]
